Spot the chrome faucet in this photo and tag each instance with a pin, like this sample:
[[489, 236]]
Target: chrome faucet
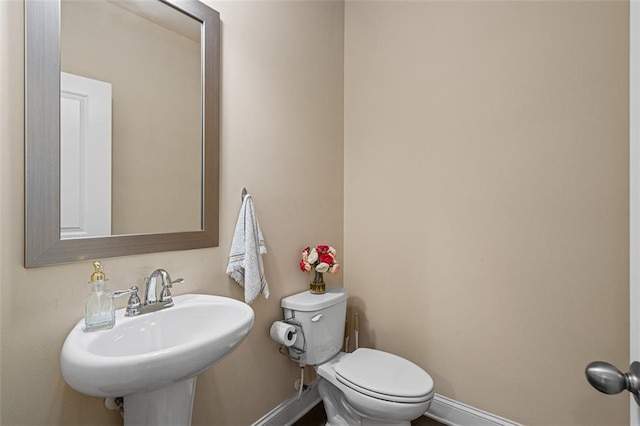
[[165, 295], [151, 282], [151, 302]]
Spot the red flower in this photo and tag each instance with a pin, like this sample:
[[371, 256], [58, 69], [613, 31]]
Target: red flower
[[322, 249], [326, 258]]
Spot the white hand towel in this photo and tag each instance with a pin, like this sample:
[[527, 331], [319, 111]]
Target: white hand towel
[[245, 256]]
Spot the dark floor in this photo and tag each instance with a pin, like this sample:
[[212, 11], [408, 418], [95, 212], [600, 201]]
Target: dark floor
[[317, 417]]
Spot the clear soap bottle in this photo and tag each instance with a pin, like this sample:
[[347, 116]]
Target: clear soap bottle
[[99, 313]]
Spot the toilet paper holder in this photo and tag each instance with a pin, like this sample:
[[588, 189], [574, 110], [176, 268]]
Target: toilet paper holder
[[299, 345], [283, 333]]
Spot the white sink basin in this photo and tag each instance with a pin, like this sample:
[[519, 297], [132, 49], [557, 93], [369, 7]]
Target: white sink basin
[[152, 351]]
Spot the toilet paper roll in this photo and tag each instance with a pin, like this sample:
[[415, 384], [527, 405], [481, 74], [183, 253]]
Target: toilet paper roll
[[283, 333]]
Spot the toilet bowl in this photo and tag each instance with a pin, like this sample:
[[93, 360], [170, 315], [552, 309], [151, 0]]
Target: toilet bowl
[[365, 387]]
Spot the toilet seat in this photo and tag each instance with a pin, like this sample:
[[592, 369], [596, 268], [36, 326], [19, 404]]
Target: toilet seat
[[384, 376]]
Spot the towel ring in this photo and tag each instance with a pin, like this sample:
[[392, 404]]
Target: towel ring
[[244, 192]]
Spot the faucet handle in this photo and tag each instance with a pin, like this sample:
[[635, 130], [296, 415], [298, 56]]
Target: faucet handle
[[133, 305], [165, 296], [119, 293]]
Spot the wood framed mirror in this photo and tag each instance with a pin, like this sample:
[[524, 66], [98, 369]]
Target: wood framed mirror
[[162, 179]]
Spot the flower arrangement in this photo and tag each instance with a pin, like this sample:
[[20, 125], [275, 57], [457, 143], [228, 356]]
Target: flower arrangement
[[320, 258]]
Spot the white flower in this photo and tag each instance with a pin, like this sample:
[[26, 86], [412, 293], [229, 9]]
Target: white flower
[[313, 256], [322, 267]]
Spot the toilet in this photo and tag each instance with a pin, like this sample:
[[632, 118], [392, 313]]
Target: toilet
[[364, 387]]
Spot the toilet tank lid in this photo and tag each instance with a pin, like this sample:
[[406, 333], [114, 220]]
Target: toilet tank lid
[[307, 302]]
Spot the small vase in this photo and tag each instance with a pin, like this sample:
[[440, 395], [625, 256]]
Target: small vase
[[317, 285]]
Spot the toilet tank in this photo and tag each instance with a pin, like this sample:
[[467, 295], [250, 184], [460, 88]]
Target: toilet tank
[[319, 321]]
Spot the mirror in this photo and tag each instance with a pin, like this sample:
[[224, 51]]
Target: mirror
[[150, 71], [145, 57]]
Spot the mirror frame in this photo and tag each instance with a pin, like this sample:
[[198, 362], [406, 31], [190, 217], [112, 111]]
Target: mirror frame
[[43, 245]]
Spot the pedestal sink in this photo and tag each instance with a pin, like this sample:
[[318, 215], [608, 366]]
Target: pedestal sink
[[152, 360]]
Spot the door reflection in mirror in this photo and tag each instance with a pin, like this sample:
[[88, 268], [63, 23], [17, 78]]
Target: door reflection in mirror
[[85, 157]]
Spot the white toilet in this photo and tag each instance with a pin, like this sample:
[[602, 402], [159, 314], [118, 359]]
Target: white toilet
[[365, 387]]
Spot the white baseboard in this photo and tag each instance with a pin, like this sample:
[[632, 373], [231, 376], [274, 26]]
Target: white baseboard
[[454, 413], [291, 410], [443, 409]]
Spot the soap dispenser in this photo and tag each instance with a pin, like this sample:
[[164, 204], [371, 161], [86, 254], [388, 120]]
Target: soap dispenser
[[99, 313]]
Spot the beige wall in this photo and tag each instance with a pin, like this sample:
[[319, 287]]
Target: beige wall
[[156, 123], [486, 197], [485, 202], [281, 137]]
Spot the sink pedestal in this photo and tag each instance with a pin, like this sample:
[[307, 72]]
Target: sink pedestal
[[170, 405]]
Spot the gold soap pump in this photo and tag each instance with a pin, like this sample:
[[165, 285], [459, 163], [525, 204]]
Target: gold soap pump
[[99, 312]]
